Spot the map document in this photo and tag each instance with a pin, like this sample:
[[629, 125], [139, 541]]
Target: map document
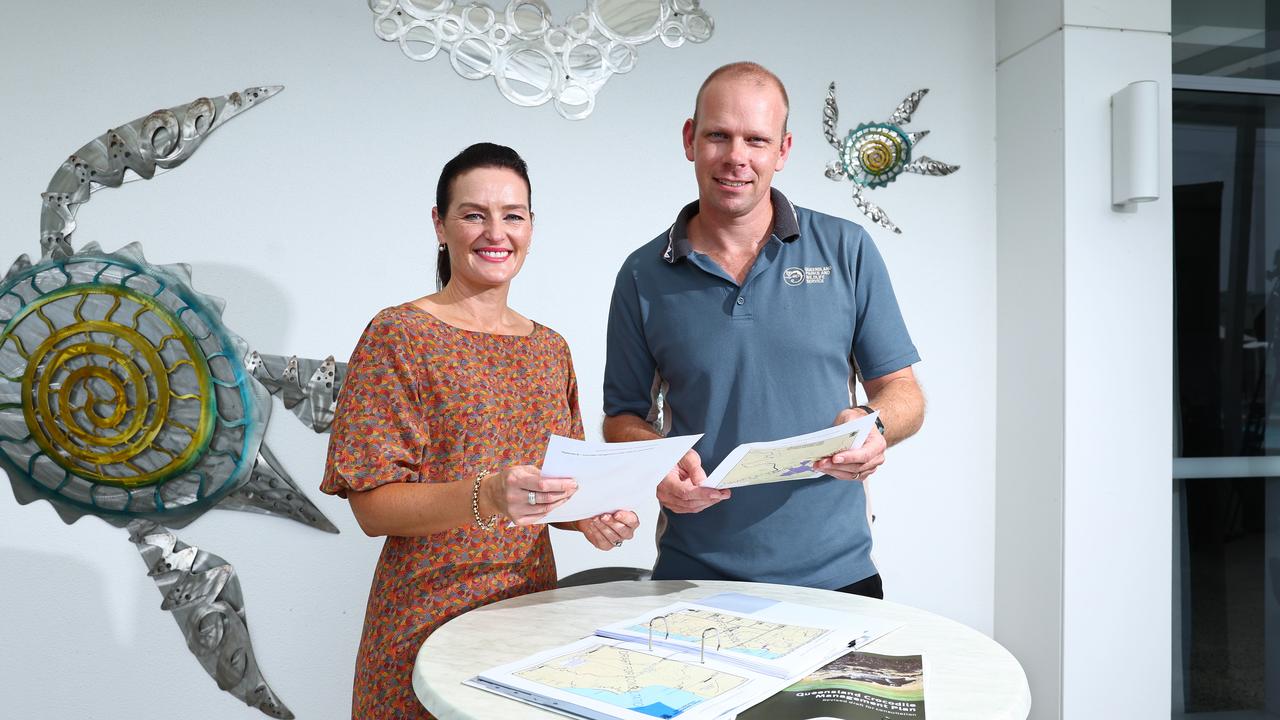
[[783, 640], [600, 678], [789, 458]]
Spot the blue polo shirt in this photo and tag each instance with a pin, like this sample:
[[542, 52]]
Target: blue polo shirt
[[693, 352]]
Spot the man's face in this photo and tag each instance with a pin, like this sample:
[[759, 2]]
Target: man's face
[[737, 145]]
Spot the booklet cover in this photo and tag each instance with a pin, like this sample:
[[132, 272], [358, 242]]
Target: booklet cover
[[856, 686]]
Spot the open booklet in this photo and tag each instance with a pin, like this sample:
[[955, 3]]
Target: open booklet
[[783, 640], [603, 679], [621, 673], [856, 686], [790, 458]]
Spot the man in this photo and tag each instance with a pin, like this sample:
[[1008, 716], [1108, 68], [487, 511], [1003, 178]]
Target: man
[[748, 320]]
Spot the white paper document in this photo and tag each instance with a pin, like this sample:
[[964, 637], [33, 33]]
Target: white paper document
[[789, 458], [610, 476]]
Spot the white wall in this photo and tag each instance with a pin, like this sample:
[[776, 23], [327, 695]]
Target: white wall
[[1030, 397], [311, 212], [1119, 324], [1083, 550]]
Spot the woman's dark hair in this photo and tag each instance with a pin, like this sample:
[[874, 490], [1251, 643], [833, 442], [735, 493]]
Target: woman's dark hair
[[480, 155]]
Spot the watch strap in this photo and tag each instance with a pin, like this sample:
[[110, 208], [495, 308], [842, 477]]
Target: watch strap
[[867, 409]]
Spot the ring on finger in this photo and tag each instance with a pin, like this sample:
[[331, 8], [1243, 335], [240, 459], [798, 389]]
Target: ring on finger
[[617, 543], [533, 498], [855, 476]]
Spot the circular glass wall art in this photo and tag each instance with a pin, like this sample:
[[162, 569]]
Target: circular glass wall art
[[533, 58]]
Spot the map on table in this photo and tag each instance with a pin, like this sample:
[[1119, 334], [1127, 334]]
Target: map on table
[[737, 634], [636, 681]]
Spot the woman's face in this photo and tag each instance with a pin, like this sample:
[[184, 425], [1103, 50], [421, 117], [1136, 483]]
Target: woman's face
[[488, 226]]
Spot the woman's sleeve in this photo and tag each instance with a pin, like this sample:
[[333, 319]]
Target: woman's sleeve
[[571, 392], [379, 433]]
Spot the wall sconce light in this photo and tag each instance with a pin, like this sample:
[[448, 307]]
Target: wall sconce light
[[1135, 144]]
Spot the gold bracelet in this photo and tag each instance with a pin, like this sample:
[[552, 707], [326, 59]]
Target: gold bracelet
[[475, 507]]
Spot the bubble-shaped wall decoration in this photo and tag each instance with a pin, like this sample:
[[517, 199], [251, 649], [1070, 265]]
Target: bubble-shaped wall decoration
[[532, 58]]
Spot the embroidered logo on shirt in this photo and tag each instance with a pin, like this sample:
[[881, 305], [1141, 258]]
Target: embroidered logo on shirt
[[798, 276]]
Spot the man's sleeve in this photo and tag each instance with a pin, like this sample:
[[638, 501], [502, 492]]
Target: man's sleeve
[[629, 368], [881, 344]]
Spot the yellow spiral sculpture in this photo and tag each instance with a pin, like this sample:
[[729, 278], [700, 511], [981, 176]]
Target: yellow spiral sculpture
[[128, 392], [99, 392], [875, 154], [124, 396]]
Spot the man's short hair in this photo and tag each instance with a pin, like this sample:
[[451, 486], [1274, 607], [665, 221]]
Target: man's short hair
[[745, 70]]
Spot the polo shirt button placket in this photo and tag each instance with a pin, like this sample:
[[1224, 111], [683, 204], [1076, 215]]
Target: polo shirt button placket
[[741, 300]]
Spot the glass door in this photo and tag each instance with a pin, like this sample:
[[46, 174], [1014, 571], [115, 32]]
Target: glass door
[[1226, 485]]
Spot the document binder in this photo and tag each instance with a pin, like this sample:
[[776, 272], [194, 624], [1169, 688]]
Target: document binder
[[776, 644], [698, 662]]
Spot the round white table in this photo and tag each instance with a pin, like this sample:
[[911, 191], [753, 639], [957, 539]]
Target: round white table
[[968, 675]]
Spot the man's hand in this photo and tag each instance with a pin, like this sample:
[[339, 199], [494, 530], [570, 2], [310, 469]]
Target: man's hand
[[854, 464], [681, 490]]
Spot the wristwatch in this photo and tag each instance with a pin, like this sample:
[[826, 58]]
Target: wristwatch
[[868, 410]]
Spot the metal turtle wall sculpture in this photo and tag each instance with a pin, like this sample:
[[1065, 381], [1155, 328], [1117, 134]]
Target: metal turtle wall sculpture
[[874, 154], [123, 395]]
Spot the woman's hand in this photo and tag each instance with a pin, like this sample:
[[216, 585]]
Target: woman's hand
[[524, 494], [610, 530]]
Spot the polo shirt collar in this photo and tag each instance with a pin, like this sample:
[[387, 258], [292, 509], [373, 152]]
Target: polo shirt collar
[[786, 226]]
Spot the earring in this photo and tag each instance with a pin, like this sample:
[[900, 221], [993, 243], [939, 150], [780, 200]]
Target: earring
[[443, 247]]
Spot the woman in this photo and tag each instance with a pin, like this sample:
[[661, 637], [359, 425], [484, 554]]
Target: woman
[[446, 407]]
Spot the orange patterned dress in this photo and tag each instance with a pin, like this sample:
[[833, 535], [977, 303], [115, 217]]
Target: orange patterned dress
[[424, 401]]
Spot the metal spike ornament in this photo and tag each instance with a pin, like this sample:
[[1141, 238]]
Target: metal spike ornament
[[313, 401], [164, 139], [873, 155], [202, 593], [123, 395]]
